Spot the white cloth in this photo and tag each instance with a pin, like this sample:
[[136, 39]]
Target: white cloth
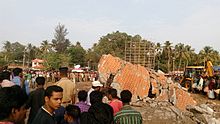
[[88, 98], [7, 83], [200, 85]]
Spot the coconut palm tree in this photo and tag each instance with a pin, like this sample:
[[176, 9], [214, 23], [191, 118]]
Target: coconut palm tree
[[167, 49], [189, 52], [158, 52], [7, 50], [206, 54], [45, 47]]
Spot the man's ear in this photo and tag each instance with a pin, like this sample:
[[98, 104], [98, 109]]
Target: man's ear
[[46, 98], [13, 111]]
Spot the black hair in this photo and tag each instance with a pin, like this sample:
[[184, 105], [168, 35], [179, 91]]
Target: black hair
[[40, 80], [17, 71], [73, 111], [126, 96], [102, 113], [54, 88], [82, 95], [113, 93], [63, 70], [87, 118], [6, 75], [95, 96], [1, 77], [11, 97]]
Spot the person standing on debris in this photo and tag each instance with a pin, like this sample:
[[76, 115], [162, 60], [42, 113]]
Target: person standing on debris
[[69, 88], [36, 99], [115, 103], [53, 99], [96, 86], [12, 105], [127, 115]]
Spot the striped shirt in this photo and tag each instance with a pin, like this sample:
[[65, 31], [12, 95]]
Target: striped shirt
[[127, 115]]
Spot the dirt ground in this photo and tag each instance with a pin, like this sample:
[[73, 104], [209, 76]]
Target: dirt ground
[[202, 99]]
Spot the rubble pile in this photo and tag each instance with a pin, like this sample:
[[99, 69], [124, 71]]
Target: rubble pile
[[126, 75], [154, 112], [141, 81], [170, 104]]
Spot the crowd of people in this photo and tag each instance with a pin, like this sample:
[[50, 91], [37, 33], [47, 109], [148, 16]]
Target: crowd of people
[[60, 103], [200, 83], [207, 85]]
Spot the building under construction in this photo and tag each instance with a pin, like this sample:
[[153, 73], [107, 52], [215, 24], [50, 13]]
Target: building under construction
[[140, 52]]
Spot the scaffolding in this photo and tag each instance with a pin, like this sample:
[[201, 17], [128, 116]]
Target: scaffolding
[[140, 52]]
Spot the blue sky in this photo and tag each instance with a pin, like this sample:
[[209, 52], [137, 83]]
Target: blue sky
[[193, 22]]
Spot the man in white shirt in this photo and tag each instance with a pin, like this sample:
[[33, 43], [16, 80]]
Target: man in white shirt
[[96, 86]]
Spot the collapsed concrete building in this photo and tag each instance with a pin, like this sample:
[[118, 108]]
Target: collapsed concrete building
[[142, 81], [171, 104]]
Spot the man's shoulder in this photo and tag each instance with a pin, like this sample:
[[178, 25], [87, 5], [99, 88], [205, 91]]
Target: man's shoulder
[[127, 111], [42, 117], [37, 91], [64, 80]]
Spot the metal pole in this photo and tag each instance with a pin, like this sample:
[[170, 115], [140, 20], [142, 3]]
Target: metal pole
[[24, 57]]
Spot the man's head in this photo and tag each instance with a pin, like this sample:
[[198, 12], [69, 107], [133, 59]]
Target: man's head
[[53, 97], [72, 113], [17, 71], [82, 95], [12, 104], [126, 96], [40, 81], [6, 75], [95, 97], [63, 71], [96, 85], [101, 112], [112, 94]]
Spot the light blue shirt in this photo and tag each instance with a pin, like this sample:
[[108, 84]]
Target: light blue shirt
[[17, 80]]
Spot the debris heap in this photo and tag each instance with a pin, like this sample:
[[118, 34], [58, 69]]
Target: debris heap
[[141, 82]]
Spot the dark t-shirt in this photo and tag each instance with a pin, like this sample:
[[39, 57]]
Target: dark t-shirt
[[35, 101], [43, 117]]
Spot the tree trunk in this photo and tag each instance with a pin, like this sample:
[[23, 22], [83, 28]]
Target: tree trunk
[[179, 64]]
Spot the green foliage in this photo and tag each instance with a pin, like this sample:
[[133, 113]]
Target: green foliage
[[113, 43], [17, 51], [77, 55], [45, 46], [2, 61], [52, 60], [208, 53], [60, 43], [60, 52], [92, 58]]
